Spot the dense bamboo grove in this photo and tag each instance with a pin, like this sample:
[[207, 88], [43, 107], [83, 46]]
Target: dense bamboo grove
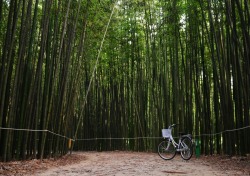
[[162, 62]]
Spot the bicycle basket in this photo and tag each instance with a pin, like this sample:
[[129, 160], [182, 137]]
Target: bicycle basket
[[166, 133]]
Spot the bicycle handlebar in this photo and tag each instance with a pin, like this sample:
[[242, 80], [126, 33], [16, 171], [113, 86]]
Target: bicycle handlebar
[[173, 125]]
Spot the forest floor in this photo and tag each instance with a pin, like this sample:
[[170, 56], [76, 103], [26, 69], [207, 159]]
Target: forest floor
[[127, 163]]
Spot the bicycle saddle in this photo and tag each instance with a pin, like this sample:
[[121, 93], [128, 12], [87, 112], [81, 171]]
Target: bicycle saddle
[[181, 133]]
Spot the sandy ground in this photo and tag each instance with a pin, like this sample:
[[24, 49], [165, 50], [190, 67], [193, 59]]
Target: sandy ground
[[141, 164]]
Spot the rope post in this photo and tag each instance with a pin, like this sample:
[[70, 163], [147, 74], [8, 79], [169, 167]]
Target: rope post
[[70, 143], [197, 147]]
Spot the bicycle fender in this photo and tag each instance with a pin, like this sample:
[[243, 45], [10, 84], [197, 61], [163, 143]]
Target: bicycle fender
[[187, 135]]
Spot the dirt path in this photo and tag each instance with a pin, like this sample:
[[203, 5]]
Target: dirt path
[[134, 163]]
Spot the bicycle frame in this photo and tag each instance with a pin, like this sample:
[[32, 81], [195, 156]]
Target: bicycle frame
[[177, 145]]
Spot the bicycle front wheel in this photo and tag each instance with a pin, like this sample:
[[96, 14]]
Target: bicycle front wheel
[[186, 147], [166, 150]]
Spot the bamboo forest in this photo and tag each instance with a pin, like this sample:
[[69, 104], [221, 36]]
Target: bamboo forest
[[105, 75]]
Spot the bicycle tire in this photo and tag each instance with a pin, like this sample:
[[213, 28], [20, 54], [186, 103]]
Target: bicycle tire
[[166, 150], [186, 143]]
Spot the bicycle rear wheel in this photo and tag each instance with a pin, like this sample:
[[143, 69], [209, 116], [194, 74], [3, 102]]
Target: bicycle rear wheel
[[166, 150], [186, 147]]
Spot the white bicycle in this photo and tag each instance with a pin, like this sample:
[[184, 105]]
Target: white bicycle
[[168, 148]]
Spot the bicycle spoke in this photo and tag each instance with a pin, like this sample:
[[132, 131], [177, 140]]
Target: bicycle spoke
[[186, 148], [166, 150]]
